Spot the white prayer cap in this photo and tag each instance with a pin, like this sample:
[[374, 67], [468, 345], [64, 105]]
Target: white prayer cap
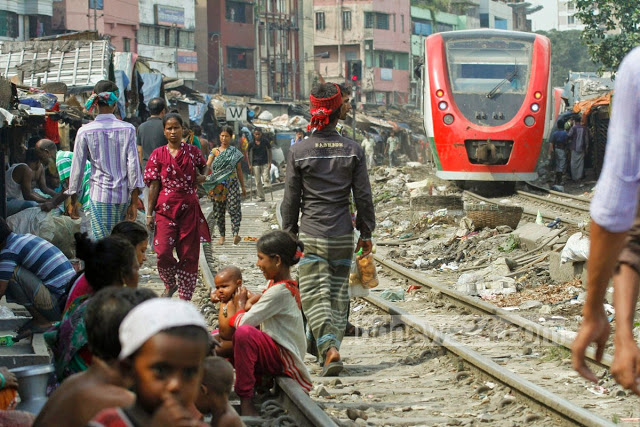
[[153, 316]]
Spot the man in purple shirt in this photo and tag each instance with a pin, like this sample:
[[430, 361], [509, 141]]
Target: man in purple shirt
[[615, 237], [110, 146]]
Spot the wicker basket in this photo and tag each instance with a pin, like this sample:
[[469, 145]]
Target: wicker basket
[[491, 216]]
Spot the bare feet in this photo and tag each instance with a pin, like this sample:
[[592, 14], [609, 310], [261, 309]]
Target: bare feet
[[236, 239], [331, 356], [247, 409], [221, 241]]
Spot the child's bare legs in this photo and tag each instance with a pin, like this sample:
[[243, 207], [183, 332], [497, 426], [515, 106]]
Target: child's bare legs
[[225, 349], [247, 409]]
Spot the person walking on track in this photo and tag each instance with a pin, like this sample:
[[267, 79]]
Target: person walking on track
[[110, 146], [222, 185], [322, 172], [172, 174]]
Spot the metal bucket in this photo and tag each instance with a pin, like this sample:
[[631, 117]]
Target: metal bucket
[[32, 386]]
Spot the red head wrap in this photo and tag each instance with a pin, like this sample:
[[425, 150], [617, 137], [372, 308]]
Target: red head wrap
[[321, 109]]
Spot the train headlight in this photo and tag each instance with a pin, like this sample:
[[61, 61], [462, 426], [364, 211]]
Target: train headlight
[[529, 121], [537, 95], [442, 105], [439, 93], [535, 107], [447, 119]]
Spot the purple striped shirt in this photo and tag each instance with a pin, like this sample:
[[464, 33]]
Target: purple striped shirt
[[614, 203], [110, 146]]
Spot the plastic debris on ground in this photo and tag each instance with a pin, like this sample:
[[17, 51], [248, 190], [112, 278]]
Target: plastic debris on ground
[[576, 249], [392, 296]]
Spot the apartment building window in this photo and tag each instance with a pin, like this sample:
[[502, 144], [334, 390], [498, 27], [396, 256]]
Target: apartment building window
[[165, 36], [369, 19], [8, 24], [126, 44], [500, 23], [240, 58], [422, 28], [238, 12], [571, 20], [484, 20], [395, 60], [320, 21], [346, 19], [382, 21], [402, 23], [447, 27]]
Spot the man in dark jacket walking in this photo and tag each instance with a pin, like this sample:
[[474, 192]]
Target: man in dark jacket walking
[[323, 170]]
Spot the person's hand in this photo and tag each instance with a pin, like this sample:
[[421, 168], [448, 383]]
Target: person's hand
[[151, 223], [365, 245], [244, 192], [10, 380], [213, 297], [240, 297], [200, 178], [47, 206], [171, 413], [595, 328], [132, 212], [626, 364]]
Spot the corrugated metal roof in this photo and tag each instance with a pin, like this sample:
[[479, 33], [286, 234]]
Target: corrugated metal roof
[[74, 62]]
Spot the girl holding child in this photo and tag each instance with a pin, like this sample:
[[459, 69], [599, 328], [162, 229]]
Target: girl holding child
[[278, 347]]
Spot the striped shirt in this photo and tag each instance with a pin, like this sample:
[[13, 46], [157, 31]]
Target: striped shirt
[[63, 164], [110, 146], [616, 197], [39, 257]]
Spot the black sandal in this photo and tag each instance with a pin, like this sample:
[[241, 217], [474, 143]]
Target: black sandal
[[168, 292]]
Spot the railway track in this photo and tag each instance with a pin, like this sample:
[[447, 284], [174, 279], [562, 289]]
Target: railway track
[[408, 369]]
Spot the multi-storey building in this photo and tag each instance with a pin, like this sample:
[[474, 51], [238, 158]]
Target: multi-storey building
[[566, 16], [423, 24], [116, 20], [166, 37], [202, 46], [232, 47], [256, 47], [376, 32], [496, 14], [25, 19]]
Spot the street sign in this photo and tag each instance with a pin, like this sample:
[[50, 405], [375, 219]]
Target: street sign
[[235, 114]]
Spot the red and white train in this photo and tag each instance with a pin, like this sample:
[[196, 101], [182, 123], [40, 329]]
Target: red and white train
[[487, 103]]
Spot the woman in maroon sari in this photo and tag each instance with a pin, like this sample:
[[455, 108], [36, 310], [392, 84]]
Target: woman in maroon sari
[[172, 174]]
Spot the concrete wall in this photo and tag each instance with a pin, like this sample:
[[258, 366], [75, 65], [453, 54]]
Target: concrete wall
[[202, 46], [395, 38], [28, 7], [118, 20]]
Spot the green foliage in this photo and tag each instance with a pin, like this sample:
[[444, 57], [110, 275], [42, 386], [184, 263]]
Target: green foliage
[[603, 18], [568, 53]]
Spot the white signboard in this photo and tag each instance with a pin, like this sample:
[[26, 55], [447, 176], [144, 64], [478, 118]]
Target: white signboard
[[235, 114]]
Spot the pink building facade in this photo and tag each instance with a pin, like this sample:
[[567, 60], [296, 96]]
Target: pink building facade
[[118, 20], [376, 32]]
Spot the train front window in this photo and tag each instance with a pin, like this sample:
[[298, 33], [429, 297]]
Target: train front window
[[489, 66]]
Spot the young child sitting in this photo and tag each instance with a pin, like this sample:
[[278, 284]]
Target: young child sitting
[[164, 342], [81, 396], [213, 397], [227, 282], [278, 347]]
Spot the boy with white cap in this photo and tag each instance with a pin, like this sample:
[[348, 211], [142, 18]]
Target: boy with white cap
[[164, 342]]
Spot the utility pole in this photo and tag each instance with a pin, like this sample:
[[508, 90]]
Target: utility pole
[[354, 91]]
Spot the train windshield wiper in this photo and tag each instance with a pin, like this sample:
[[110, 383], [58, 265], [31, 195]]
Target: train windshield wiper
[[509, 78]]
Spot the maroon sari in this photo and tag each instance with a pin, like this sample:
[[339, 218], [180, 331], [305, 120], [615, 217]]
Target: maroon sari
[[180, 223]]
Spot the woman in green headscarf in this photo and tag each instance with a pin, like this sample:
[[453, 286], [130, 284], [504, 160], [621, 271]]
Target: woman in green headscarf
[[222, 185]]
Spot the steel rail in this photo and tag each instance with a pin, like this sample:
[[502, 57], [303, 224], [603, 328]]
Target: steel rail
[[553, 202], [558, 193], [545, 398], [479, 305]]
